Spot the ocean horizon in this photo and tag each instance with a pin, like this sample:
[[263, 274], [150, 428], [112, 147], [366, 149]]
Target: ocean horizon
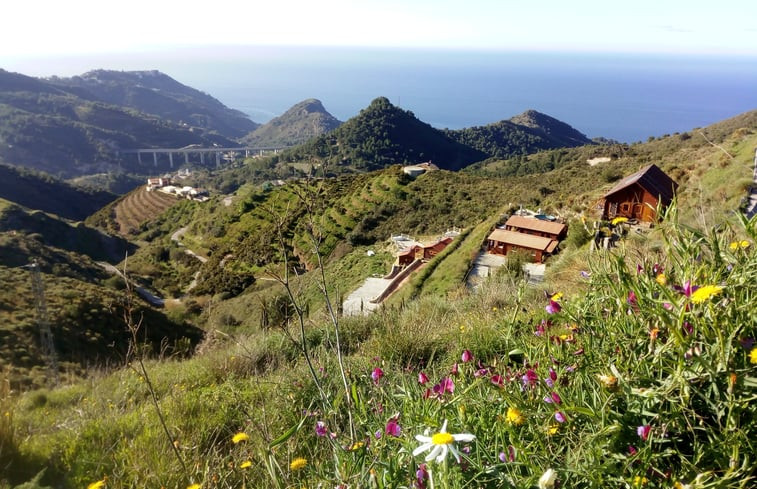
[[626, 97]]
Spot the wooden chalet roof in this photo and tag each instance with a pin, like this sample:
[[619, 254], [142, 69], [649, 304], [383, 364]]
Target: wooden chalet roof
[[536, 224], [523, 240], [652, 179]]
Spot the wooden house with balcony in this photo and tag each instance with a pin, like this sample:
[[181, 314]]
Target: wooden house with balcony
[[637, 196]]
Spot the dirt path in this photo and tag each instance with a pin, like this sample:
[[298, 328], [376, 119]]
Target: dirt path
[[751, 208]]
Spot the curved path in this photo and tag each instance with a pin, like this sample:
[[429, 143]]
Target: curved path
[[141, 291]]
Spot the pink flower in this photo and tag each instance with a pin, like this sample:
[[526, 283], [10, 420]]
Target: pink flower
[[529, 378], [422, 378], [376, 375], [553, 307], [631, 450], [643, 431], [455, 369], [421, 475], [320, 428], [444, 386], [393, 427], [560, 417], [467, 356], [631, 298], [497, 380], [553, 397]]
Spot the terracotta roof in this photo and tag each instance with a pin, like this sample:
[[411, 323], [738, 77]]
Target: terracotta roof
[[522, 240], [652, 179], [535, 224]]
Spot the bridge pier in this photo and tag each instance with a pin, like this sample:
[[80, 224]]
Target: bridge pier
[[155, 159], [186, 158], [247, 153], [218, 160], [202, 158], [139, 157], [170, 159]]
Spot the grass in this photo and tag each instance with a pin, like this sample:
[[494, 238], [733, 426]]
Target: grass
[[646, 390]]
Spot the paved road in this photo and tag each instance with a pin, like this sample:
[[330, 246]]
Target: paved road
[[141, 291], [177, 238]]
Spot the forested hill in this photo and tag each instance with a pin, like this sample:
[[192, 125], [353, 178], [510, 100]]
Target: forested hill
[[156, 93], [305, 120], [382, 135], [45, 127], [40, 191], [523, 134]]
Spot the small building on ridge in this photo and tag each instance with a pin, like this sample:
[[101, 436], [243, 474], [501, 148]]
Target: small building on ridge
[[638, 195]]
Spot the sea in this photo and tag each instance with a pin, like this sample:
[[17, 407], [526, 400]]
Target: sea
[[625, 97]]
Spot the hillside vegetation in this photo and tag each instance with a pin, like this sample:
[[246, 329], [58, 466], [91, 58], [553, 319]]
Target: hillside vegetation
[[303, 121]]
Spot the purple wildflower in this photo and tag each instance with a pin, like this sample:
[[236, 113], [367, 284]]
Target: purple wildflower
[[530, 378], [553, 307], [422, 378], [376, 375], [467, 356], [643, 431], [560, 417], [393, 427], [320, 428]]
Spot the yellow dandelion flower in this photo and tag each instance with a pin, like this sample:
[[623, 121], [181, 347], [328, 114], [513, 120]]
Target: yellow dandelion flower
[[246, 464], [640, 481], [240, 437], [753, 356], [97, 485], [357, 446], [553, 429], [514, 416], [194, 486], [703, 293], [298, 464], [735, 245], [661, 279], [744, 244], [556, 297]]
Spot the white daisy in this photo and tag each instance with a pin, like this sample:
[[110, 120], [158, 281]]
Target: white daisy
[[440, 443], [547, 479]]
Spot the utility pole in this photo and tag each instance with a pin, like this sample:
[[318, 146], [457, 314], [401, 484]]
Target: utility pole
[[45, 334]]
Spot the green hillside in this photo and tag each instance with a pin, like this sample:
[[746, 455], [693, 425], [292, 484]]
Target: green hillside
[[40, 191], [44, 127], [529, 132], [382, 135], [303, 121], [153, 92]]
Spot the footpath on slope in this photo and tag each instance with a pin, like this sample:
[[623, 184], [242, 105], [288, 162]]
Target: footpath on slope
[[751, 208]]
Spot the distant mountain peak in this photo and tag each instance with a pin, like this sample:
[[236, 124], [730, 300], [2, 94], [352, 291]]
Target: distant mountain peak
[[303, 121]]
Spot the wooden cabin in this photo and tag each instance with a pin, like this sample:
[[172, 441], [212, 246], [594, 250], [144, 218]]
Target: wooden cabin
[[502, 242], [422, 252], [637, 196], [537, 227]]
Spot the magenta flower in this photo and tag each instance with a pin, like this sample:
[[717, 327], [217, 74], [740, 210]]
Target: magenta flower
[[540, 330], [631, 298], [631, 450], [445, 385], [529, 378], [455, 369], [560, 417], [421, 475], [422, 378], [687, 327], [687, 288], [553, 307], [497, 380], [393, 427], [553, 397], [320, 429], [376, 375], [467, 356], [481, 372], [643, 431]]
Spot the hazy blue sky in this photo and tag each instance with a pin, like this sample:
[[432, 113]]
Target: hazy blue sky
[[52, 27]]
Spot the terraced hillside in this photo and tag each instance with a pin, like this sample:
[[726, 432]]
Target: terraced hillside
[[139, 206]]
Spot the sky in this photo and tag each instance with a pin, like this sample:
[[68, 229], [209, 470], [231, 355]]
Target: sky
[[44, 28]]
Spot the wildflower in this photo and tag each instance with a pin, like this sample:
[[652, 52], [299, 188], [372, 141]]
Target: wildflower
[[609, 381], [639, 481], [618, 220], [556, 297], [455, 369], [392, 427], [556, 398], [422, 378], [298, 464], [560, 417], [553, 429], [753, 356], [97, 485], [440, 443], [631, 450], [376, 375], [514, 416], [467, 356], [657, 269], [191, 486], [497, 380], [585, 274], [547, 479], [704, 293], [445, 385], [643, 431], [530, 378], [687, 289], [679, 485], [653, 333], [509, 456], [550, 381], [356, 446], [553, 307], [661, 279], [631, 300], [246, 464], [320, 428], [735, 245], [240, 437], [421, 474]]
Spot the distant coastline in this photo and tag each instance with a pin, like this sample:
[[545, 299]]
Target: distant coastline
[[627, 97]]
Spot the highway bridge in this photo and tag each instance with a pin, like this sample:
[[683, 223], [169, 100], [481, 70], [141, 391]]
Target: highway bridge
[[217, 152]]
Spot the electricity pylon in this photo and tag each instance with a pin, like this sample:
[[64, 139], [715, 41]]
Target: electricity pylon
[[45, 334]]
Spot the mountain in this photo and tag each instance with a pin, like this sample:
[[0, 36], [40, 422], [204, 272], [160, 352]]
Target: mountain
[[153, 92], [382, 135], [47, 127], [303, 121], [523, 134], [40, 191]]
